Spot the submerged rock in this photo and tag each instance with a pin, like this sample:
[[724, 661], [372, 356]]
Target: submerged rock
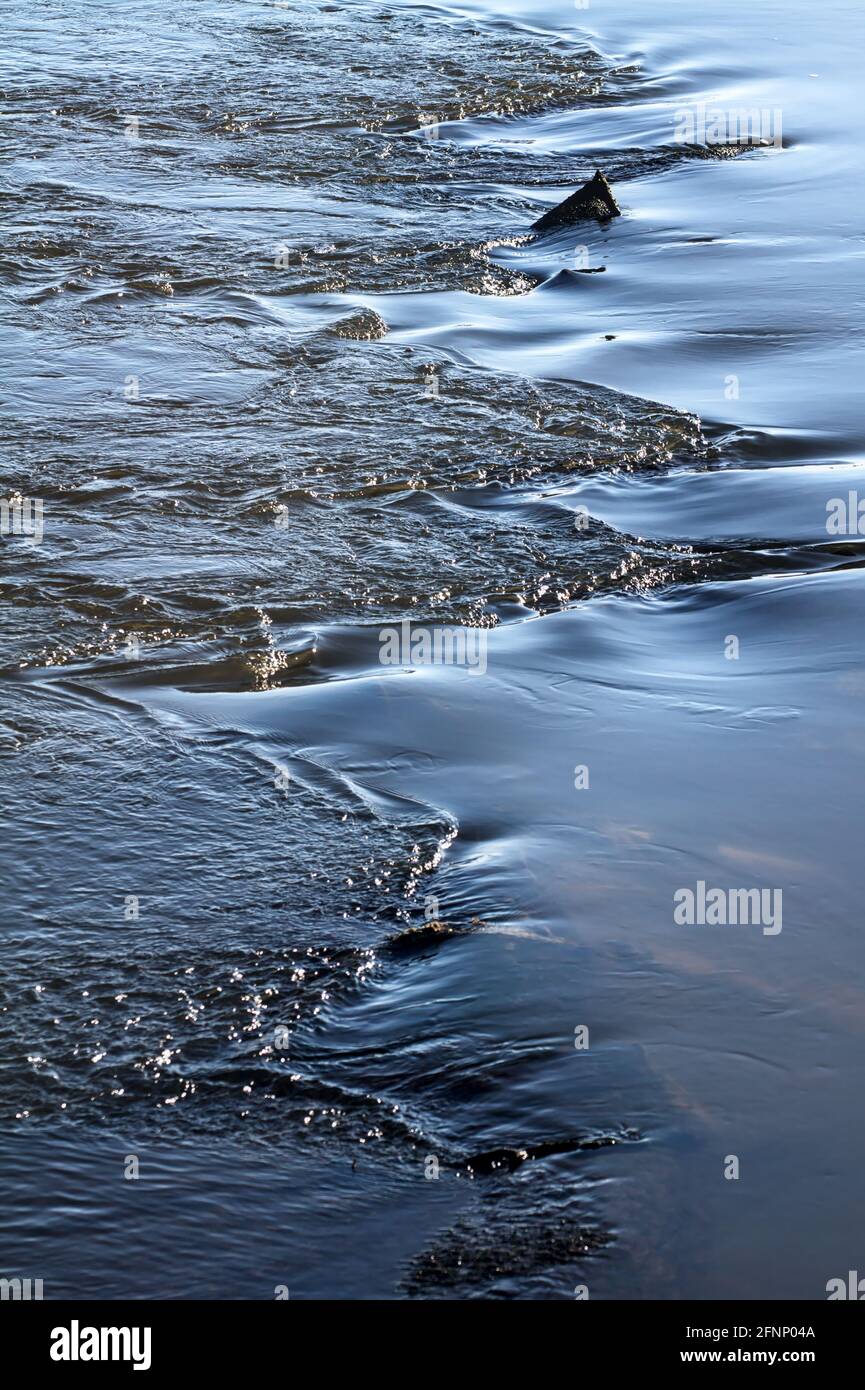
[[509, 1159], [479, 1252], [594, 199]]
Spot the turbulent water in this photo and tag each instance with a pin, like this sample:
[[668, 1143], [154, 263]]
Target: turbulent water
[[283, 365]]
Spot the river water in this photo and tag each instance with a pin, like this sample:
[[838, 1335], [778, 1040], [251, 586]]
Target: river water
[[283, 367]]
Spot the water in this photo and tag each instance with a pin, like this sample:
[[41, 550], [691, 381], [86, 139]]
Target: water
[[284, 367]]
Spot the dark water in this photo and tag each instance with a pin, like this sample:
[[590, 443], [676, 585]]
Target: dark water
[[283, 367]]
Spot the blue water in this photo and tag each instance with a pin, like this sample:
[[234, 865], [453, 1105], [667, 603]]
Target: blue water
[[285, 367]]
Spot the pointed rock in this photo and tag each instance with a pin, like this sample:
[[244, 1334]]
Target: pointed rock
[[594, 199]]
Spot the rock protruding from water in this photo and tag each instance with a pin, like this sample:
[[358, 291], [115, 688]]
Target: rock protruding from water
[[416, 938], [594, 199]]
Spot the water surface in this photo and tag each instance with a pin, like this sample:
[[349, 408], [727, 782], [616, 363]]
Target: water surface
[[285, 366]]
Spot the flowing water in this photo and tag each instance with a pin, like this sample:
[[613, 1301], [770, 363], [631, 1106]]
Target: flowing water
[[283, 366]]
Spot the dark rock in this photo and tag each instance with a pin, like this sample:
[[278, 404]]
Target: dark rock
[[416, 938], [478, 1253], [508, 1160], [594, 199], [362, 325], [497, 1160], [428, 934]]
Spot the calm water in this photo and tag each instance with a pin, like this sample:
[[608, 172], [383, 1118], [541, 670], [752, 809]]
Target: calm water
[[283, 366]]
